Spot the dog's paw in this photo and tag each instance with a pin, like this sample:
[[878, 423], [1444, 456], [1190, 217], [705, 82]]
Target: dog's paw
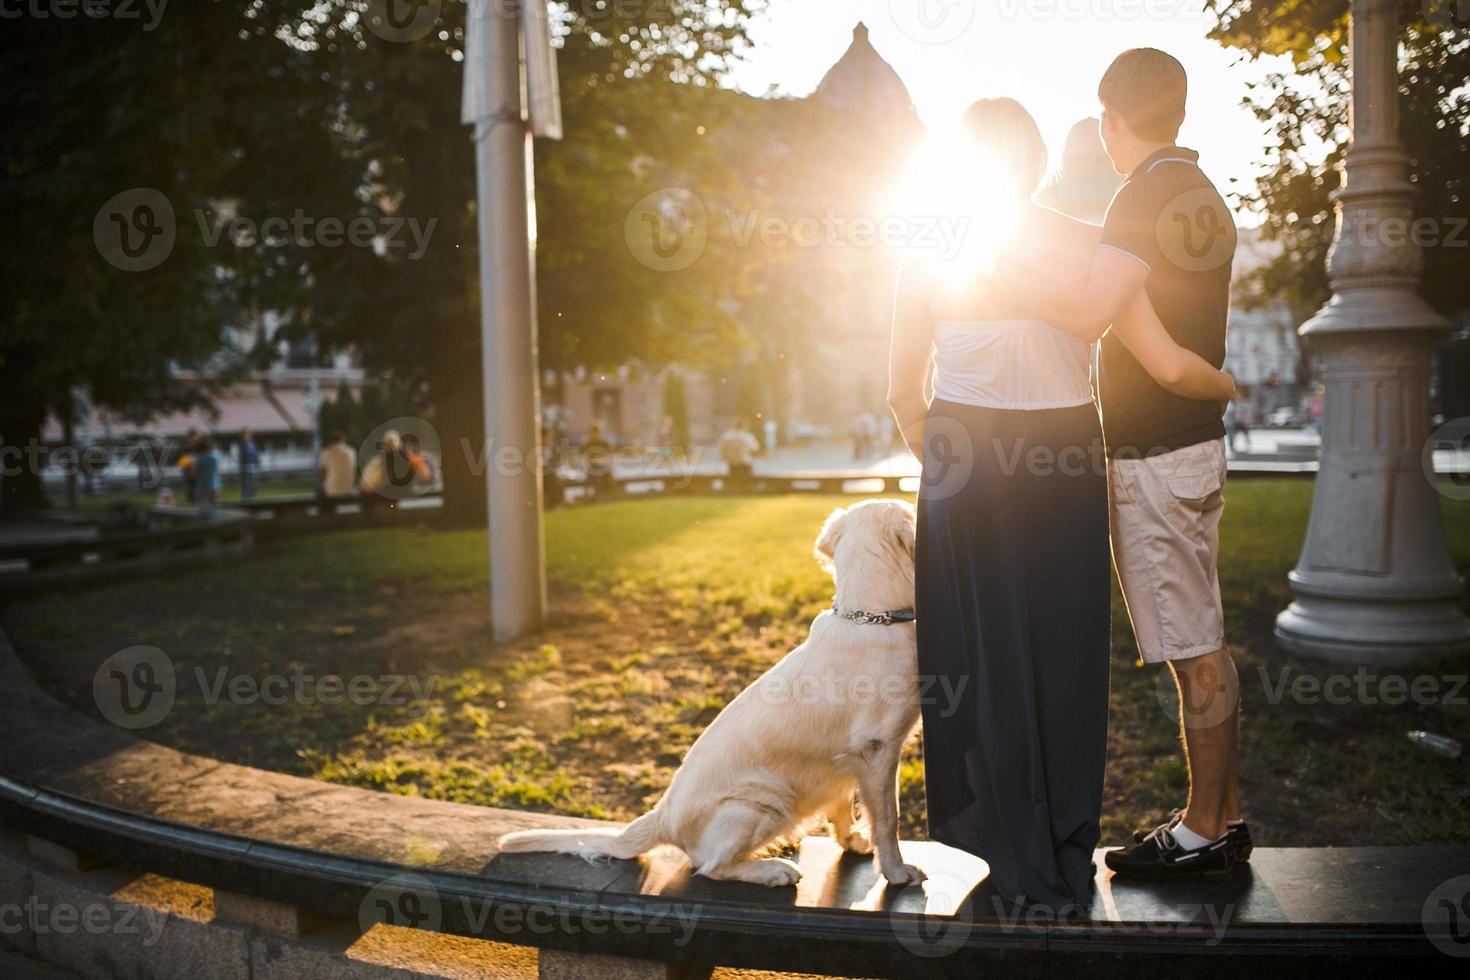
[[858, 843], [904, 874], [778, 872]]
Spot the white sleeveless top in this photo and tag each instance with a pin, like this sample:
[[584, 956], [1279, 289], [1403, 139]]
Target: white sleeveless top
[[1026, 364]]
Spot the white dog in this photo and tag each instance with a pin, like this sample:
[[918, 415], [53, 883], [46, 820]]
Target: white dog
[[826, 722]]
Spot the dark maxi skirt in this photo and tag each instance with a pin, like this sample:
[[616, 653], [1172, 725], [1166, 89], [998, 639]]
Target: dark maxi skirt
[[1013, 606]]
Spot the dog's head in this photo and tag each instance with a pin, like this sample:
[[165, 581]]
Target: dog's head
[[869, 548]]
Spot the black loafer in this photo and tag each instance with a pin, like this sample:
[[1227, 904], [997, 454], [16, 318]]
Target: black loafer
[[1159, 855], [1240, 835]]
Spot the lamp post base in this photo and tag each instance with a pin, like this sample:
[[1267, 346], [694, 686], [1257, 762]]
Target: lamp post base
[[1380, 634]]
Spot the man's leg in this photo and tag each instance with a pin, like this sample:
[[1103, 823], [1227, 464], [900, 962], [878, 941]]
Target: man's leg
[[1209, 709]]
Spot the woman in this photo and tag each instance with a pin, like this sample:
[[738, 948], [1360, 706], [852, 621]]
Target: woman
[[1013, 591]]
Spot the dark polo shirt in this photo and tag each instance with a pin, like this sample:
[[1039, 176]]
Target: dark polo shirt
[[1168, 217]]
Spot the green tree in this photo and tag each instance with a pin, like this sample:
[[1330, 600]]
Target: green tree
[[206, 111], [1308, 109]]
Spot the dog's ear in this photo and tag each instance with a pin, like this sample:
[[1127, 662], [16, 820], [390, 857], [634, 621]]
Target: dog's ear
[[901, 530], [826, 546]]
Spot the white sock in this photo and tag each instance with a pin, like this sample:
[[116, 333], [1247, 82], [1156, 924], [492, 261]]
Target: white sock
[[1188, 839]]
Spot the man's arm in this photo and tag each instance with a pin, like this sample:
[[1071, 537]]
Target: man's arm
[[1113, 280], [1176, 368]]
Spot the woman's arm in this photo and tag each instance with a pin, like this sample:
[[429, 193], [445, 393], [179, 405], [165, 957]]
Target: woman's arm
[[909, 354], [1177, 369]]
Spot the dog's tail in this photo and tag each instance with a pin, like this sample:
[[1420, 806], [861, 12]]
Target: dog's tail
[[590, 842]]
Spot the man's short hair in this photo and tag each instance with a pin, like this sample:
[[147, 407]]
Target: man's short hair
[[1146, 88]]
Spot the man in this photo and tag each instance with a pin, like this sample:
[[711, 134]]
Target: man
[[737, 448], [1169, 233], [248, 455], [337, 467]]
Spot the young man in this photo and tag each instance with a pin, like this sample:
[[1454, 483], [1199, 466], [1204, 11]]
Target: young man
[[1169, 233]]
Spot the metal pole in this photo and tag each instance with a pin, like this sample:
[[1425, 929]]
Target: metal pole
[[508, 328], [1375, 582]]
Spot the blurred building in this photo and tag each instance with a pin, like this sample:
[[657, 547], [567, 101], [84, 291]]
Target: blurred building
[[278, 404], [1263, 351], [832, 161]]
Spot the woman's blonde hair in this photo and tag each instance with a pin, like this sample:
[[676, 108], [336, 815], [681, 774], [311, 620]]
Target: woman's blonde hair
[[1004, 129]]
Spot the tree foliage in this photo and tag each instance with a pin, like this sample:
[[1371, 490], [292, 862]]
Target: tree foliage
[[275, 108], [1306, 112]]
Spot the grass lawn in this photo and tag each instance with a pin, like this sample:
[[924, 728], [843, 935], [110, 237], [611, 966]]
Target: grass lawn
[[662, 611]]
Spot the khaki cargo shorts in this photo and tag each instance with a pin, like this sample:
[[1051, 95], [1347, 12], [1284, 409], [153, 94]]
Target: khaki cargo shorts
[[1165, 514]]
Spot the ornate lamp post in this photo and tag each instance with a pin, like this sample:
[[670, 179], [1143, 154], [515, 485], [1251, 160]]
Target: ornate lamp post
[[1375, 582]]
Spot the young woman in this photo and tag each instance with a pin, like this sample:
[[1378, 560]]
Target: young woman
[[1013, 590]]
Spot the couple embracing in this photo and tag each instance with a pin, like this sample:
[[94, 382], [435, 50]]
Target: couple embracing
[[1013, 558]]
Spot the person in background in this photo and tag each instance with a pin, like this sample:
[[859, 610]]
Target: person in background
[[206, 474], [186, 458], [386, 467], [552, 493], [1316, 408], [1231, 418], [1242, 427], [737, 448], [337, 467], [859, 433], [597, 460], [248, 455]]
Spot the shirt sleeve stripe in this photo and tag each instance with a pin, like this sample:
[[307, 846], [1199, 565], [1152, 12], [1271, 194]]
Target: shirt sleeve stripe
[[1114, 248]]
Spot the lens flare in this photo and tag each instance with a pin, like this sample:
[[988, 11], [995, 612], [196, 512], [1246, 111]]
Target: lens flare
[[957, 202]]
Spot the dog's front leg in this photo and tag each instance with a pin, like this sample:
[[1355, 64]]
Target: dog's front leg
[[878, 787]]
